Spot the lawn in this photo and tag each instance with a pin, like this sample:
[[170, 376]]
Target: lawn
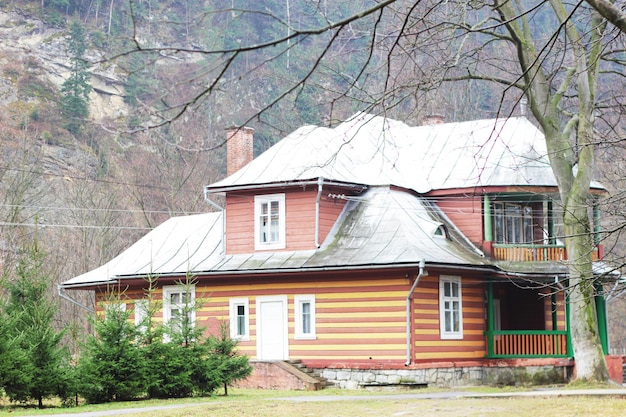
[[252, 403]]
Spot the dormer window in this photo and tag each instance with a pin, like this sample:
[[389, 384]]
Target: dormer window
[[440, 231], [269, 218]]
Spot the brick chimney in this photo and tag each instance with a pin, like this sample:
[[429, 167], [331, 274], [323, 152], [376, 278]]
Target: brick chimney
[[433, 119], [239, 148]]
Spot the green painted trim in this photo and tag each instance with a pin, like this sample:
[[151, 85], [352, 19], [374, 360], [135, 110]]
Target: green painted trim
[[526, 356], [601, 316], [555, 322], [570, 348], [551, 238], [596, 225], [525, 245], [490, 318], [487, 220], [491, 333], [525, 332]]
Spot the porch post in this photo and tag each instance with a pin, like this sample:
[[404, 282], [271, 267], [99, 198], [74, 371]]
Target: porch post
[[555, 321], [601, 313], [551, 239], [596, 224], [490, 337], [568, 327], [487, 219]]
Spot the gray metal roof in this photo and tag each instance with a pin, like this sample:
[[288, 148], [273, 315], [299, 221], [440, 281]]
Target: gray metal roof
[[373, 150], [382, 228]]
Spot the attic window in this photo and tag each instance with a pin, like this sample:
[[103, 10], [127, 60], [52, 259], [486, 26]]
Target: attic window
[[441, 231], [269, 219]]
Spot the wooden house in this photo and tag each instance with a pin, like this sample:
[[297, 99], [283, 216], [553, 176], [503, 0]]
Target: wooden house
[[375, 253]]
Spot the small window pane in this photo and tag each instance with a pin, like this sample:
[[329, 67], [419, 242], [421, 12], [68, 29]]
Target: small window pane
[[306, 317], [241, 320], [455, 289]]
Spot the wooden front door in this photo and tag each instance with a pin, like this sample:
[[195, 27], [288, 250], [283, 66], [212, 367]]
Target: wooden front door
[[272, 329]]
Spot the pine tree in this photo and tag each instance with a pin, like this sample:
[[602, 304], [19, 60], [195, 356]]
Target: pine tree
[[112, 367], [15, 371], [41, 360], [228, 366], [75, 90]]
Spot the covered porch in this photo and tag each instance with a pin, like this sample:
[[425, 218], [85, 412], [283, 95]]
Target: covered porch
[[522, 227], [531, 320]]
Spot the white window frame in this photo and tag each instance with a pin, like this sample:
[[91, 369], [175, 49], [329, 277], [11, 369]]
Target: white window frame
[[443, 299], [299, 301], [259, 200], [117, 305], [234, 304], [168, 290]]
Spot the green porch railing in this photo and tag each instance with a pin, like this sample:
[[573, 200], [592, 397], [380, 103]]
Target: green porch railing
[[528, 344]]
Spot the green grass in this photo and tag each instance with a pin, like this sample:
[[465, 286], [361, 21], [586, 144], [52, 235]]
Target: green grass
[[265, 403]]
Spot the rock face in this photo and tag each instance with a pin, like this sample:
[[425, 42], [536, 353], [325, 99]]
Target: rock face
[[28, 39]]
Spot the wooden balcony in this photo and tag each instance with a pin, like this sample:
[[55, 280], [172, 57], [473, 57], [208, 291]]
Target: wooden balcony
[[531, 252], [528, 344]]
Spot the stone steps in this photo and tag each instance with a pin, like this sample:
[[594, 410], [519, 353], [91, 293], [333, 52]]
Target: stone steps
[[297, 363]]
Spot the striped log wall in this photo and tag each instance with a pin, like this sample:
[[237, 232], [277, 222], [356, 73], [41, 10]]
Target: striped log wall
[[360, 318], [560, 310], [428, 345]]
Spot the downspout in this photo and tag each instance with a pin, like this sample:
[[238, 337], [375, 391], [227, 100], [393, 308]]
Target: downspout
[[320, 184], [71, 300], [409, 297], [220, 208]]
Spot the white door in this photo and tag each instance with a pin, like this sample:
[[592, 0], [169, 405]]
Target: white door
[[272, 342]]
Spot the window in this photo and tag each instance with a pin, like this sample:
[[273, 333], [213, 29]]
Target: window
[[114, 309], [239, 319], [450, 307], [304, 316], [269, 218], [141, 313], [513, 223], [178, 306], [440, 231]]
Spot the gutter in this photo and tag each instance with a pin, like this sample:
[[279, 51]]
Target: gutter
[[304, 269], [320, 185], [223, 210], [409, 297], [209, 190], [71, 300]]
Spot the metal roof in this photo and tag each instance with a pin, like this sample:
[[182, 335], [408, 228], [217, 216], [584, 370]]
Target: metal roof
[[373, 150], [382, 228]]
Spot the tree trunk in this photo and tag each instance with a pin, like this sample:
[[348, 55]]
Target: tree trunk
[[590, 361]]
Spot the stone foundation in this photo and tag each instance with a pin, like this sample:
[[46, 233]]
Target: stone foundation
[[448, 376]]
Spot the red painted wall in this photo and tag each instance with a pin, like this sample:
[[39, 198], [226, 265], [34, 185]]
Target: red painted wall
[[466, 213], [299, 216]]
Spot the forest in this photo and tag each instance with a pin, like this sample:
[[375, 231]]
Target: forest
[[113, 112]]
